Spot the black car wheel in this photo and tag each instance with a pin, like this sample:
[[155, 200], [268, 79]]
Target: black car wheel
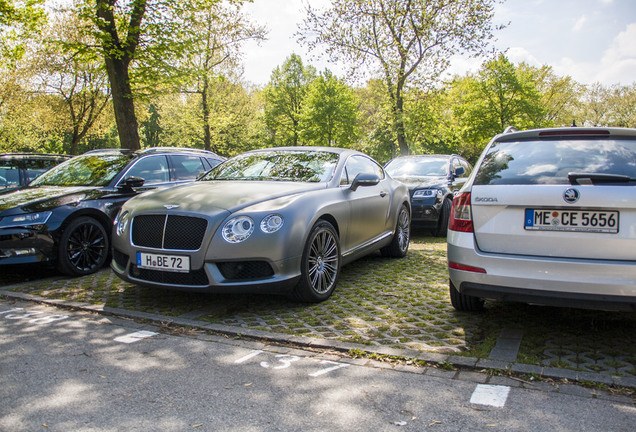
[[442, 223], [463, 302], [400, 243], [83, 247], [320, 265]]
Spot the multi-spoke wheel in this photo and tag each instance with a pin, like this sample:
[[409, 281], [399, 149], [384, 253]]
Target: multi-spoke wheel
[[320, 266], [83, 247], [399, 245]]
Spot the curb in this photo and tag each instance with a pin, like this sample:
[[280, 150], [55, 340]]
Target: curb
[[459, 362]]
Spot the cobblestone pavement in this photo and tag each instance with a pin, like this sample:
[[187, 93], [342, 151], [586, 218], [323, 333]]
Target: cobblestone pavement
[[380, 302]]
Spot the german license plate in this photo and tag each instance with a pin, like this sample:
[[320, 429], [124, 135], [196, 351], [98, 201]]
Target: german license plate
[[173, 263], [572, 220]]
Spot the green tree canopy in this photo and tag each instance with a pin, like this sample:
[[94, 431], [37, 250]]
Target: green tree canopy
[[401, 40], [284, 99], [330, 113]]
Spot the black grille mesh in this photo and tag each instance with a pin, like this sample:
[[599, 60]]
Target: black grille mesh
[[120, 258], [180, 233], [185, 233], [245, 270]]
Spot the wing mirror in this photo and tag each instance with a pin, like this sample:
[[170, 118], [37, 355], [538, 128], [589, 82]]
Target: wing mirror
[[459, 171], [130, 184], [364, 179]]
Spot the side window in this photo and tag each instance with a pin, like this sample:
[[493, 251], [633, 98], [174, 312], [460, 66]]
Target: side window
[[454, 165], [467, 167], [36, 167], [187, 167], [213, 162], [359, 164], [9, 176], [153, 169]]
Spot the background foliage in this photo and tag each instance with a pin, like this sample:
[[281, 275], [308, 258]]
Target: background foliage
[[55, 95]]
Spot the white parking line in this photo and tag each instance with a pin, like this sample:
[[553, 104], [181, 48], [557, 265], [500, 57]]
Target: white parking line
[[135, 337], [491, 395]]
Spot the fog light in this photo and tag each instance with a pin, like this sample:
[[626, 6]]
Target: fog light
[[8, 253]]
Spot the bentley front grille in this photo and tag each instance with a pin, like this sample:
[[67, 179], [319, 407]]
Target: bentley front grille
[[168, 231]]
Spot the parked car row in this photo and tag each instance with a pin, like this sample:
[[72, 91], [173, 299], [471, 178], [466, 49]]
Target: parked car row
[[546, 216], [278, 220]]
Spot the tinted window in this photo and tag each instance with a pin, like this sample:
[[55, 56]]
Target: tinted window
[[9, 176], [280, 165], [153, 169], [187, 167], [360, 164], [549, 162]]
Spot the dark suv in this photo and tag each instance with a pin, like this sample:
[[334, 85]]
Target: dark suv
[[432, 181], [18, 169], [66, 214]]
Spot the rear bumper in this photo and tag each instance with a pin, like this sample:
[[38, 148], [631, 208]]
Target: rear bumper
[[594, 284]]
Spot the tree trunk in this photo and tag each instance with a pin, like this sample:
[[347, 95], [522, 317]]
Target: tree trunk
[[123, 104], [207, 136]]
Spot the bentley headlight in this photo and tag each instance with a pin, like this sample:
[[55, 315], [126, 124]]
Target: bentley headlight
[[121, 223], [271, 223], [238, 229], [24, 220]]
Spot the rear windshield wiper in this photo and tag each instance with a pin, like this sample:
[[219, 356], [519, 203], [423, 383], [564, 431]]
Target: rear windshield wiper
[[580, 178]]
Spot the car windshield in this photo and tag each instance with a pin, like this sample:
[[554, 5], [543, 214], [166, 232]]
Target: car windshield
[[278, 165], [550, 161], [418, 167], [90, 169]]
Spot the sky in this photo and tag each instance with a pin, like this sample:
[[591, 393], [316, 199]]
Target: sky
[[589, 40]]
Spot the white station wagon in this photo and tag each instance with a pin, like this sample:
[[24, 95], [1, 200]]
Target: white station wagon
[[548, 217]]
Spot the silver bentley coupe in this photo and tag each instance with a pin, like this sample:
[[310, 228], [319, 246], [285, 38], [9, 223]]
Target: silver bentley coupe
[[282, 220]]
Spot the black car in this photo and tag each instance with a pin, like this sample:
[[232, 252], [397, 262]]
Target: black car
[[65, 215], [432, 181], [18, 169]]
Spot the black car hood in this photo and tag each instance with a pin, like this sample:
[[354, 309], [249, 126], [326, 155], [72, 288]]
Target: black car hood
[[422, 182], [43, 198]]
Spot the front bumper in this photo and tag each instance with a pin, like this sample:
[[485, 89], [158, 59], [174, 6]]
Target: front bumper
[[425, 211], [585, 283], [25, 246], [219, 277]]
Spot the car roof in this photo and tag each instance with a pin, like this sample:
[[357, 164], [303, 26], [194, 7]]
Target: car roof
[[33, 156], [565, 132], [155, 150], [338, 150]]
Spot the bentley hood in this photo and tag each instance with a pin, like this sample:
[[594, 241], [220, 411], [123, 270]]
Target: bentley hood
[[214, 196]]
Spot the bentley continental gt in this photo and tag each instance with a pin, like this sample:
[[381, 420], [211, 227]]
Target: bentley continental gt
[[280, 220]]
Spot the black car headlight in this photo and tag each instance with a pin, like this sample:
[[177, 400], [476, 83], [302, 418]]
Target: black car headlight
[[428, 193], [121, 222], [25, 220], [238, 229]]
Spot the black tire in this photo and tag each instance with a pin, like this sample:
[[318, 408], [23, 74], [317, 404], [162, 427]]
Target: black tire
[[320, 265], [442, 223], [83, 247], [463, 302], [399, 245]]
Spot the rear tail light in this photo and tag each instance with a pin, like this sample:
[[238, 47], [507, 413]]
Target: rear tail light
[[460, 216]]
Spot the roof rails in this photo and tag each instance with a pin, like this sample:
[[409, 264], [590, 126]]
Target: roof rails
[[510, 129]]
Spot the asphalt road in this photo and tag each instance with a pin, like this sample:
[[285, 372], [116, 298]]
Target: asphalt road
[[75, 371]]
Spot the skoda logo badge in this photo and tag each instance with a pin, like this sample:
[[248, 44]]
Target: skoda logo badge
[[571, 195], [171, 206]]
